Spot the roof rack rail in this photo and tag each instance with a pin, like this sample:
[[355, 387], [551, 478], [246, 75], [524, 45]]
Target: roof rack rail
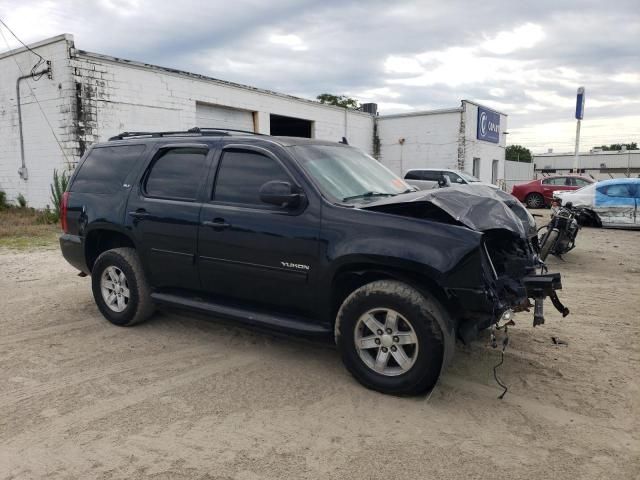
[[195, 131]]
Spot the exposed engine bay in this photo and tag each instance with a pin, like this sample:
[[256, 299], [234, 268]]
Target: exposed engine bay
[[512, 273]]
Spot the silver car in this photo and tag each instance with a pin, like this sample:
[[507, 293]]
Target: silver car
[[428, 178]]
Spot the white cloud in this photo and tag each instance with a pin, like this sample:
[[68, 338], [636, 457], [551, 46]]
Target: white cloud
[[294, 42], [524, 36], [629, 77], [457, 66], [373, 94], [398, 64]]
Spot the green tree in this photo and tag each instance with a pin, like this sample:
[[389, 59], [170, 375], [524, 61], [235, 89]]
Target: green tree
[[518, 153], [338, 100], [618, 146]]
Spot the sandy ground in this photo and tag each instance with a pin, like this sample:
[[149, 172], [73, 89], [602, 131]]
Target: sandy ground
[[180, 397]]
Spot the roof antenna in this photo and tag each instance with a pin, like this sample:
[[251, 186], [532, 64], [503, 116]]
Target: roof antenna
[[344, 141]]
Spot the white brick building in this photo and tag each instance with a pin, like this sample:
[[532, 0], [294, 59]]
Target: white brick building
[[89, 97], [442, 139], [599, 164]]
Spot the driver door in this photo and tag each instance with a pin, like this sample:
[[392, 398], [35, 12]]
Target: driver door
[[252, 251], [615, 203]]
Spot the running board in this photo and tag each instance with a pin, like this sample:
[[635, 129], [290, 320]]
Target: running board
[[244, 315]]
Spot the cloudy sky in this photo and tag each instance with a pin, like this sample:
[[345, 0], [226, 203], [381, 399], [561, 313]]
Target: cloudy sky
[[523, 58]]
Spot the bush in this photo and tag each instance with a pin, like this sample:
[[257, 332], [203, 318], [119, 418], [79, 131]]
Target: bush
[[47, 217], [22, 202], [3, 200], [58, 187]]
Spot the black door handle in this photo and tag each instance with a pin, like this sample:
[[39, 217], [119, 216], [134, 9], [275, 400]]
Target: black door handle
[[140, 213], [216, 224]]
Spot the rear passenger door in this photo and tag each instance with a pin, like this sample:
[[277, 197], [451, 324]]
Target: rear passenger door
[[164, 213], [550, 185]]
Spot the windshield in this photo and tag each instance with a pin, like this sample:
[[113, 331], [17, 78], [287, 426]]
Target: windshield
[[347, 174], [468, 178]]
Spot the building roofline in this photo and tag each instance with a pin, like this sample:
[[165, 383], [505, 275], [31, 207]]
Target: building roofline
[[421, 113], [484, 106], [572, 154], [205, 78], [58, 38]]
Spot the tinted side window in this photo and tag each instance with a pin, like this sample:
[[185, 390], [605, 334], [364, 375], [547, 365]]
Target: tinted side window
[[432, 176], [106, 168], [555, 181], [242, 173], [624, 191], [453, 177], [581, 182], [176, 173], [413, 175]]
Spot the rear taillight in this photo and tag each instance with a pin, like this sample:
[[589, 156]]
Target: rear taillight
[[63, 212]]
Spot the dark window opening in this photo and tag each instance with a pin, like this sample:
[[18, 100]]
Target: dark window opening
[[242, 173], [290, 127], [176, 174], [106, 168]]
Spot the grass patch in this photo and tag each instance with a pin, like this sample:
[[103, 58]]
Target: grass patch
[[25, 228]]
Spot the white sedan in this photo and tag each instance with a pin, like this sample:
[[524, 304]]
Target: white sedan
[[610, 203]]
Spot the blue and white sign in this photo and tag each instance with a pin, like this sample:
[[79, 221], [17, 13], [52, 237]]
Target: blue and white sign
[[580, 104], [488, 125]]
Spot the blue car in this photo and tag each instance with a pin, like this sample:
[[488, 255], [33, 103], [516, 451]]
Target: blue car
[[612, 203]]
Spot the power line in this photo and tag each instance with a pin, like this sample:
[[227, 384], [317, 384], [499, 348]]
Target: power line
[[31, 89], [40, 59]]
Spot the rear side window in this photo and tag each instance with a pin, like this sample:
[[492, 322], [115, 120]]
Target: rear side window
[[555, 181], [580, 182], [106, 168], [432, 176], [413, 175], [176, 173], [242, 173]]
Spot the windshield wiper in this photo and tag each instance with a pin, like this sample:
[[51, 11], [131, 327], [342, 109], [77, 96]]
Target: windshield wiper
[[368, 195]]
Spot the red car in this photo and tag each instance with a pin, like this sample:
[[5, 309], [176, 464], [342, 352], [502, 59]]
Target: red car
[[538, 193]]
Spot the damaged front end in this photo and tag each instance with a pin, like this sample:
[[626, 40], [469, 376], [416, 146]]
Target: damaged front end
[[501, 276]]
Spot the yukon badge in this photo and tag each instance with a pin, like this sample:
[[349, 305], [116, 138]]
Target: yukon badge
[[298, 266]]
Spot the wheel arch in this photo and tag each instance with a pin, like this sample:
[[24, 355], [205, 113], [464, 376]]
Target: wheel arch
[[355, 275], [352, 276], [103, 238]]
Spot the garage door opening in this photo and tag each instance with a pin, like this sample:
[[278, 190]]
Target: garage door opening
[[217, 116], [290, 127]]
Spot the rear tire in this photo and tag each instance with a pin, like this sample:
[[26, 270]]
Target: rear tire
[[548, 242], [120, 288], [534, 200], [407, 358]]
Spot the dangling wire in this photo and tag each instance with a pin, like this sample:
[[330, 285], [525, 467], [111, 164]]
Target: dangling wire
[[505, 342], [41, 61]]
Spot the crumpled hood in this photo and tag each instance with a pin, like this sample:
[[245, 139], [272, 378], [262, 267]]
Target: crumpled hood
[[480, 208]]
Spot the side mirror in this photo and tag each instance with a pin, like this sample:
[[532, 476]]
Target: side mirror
[[459, 180], [282, 194]]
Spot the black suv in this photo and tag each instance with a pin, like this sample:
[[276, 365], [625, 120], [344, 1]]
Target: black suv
[[300, 235]]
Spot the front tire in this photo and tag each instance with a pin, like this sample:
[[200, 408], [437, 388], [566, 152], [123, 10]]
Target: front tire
[[389, 337], [548, 241], [120, 288]]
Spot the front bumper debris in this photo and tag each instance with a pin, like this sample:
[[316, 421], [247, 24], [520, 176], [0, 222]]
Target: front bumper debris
[[541, 286]]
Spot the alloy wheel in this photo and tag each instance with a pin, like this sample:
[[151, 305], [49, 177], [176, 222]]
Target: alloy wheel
[[386, 342], [115, 289]]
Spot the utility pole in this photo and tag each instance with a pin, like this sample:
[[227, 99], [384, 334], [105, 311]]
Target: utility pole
[[579, 115]]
